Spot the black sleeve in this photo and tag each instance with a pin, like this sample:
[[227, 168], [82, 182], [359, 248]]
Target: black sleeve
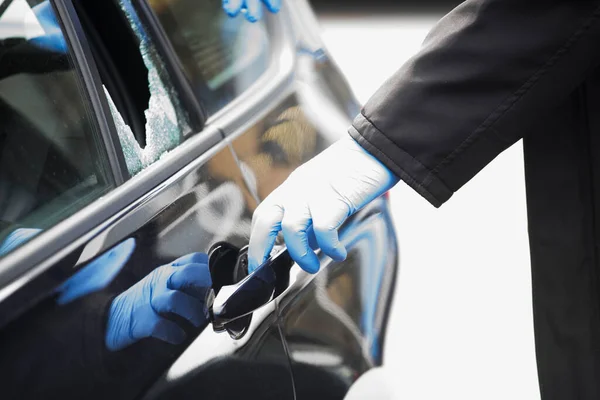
[[484, 75]]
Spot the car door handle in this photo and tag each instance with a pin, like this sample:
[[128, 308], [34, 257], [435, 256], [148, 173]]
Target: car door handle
[[231, 302]]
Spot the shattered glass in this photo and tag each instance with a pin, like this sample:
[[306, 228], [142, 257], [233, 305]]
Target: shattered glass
[[166, 121], [131, 148]]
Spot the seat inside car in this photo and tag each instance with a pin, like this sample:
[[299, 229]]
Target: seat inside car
[[40, 158], [44, 152]]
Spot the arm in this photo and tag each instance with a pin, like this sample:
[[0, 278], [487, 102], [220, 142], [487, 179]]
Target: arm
[[486, 72]]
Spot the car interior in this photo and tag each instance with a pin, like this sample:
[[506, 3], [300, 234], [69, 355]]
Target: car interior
[[115, 49], [49, 163]]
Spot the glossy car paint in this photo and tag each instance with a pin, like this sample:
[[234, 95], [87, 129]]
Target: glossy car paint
[[313, 341]]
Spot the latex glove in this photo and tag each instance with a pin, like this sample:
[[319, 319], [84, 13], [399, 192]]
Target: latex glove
[[315, 200], [139, 312], [251, 8], [98, 274], [53, 38], [16, 238]]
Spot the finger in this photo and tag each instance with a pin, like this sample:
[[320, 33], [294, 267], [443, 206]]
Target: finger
[[312, 240], [150, 324], [232, 7], [266, 224], [327, 217], [192, 279], [273, 5], [295, 224], [17, 237], [253, 10], [176, 302], [192, 258]]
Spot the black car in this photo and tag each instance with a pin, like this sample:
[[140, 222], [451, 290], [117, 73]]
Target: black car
[[136, 139]]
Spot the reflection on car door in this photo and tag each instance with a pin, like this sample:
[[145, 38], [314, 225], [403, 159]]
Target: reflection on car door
[[56, 314], [333, 321], [60, 341]]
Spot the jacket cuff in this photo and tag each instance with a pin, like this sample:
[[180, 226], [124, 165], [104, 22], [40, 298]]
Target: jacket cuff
[[405, 166]]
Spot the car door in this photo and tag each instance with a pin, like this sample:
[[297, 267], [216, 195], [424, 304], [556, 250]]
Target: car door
[[99, 201]]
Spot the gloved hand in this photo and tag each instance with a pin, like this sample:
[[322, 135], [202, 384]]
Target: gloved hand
[[139, 312], [315, 200], [251, 8], [52, 39], [16, 238]]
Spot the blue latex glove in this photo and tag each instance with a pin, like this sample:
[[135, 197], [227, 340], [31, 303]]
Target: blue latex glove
[[17, 237], [139, 312], [316, 199], [97, 274], [251, 8], [53, 38]]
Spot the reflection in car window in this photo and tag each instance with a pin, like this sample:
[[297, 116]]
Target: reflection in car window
[[52, 162], [221, 56]]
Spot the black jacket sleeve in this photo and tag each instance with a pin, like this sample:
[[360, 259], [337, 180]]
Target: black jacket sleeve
[[484, 75]]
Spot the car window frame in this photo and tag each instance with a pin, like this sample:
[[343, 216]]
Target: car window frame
[[90, 78], [26, 262]]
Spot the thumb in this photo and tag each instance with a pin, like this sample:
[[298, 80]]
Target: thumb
[[266, 224]]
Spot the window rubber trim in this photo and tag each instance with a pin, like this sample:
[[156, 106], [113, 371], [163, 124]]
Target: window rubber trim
[[196, 112], [89, 75]]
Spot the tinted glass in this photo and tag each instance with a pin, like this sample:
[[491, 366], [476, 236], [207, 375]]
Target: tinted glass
[[221, 56], [51, 157], [143, 99], [129, 321]]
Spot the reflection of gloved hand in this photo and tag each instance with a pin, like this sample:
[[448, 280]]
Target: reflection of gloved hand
[[52, 39], [16, 238], [139, 312], [314, 202], [251, 8]]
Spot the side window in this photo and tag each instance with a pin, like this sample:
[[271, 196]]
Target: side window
[[221, 56], [52, 160], [143, 100]]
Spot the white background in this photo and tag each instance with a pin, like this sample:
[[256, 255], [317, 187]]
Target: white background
[[461, 325]]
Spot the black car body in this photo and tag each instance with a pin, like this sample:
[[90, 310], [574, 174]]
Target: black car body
[[138, 131]]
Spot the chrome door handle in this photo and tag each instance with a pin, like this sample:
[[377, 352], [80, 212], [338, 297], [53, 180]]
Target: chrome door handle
[[231, 302]]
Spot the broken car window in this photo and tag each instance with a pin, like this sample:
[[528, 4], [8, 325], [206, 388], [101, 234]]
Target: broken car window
[[166, 122], [144, 104], [222, 56]]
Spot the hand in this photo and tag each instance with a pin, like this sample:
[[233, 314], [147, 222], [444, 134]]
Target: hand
[[251, 8], [316, 199], [52, 39], [16, 238], [178, 288]]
